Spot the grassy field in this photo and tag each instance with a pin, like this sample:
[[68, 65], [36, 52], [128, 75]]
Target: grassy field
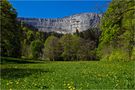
[[68, 75]]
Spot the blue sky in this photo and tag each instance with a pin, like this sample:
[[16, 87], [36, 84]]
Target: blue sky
[[57, 8]]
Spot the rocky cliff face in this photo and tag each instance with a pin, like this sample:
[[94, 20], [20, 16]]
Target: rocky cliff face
[[68, 24]]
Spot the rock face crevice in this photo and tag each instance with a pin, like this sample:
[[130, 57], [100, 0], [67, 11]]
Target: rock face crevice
[[68, 24]]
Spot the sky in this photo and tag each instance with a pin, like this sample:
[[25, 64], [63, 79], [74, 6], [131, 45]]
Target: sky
[[57, 8]]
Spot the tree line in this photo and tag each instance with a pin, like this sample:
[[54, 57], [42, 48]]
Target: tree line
[[113, 40]]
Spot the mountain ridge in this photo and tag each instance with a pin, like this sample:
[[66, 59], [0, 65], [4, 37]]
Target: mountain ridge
[[67, 24]]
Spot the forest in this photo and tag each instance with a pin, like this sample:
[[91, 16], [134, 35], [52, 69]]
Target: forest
[[113, 40]]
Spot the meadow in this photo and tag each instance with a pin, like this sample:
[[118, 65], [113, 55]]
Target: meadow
[[78, 75]]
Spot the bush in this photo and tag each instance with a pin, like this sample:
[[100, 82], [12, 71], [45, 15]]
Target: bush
[[133, 54], [118, 55]]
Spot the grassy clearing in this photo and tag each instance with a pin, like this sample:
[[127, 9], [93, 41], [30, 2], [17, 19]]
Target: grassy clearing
[[68, 75]]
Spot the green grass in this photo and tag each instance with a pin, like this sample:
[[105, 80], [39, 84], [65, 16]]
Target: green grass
[[9, 60], [68, 75]]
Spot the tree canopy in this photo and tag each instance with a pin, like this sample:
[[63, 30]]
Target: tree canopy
[[117, 27], [10, 41]]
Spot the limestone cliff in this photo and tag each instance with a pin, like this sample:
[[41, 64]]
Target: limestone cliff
[[69, 24]]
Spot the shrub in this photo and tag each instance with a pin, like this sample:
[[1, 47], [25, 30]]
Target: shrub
[[118, 55]]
